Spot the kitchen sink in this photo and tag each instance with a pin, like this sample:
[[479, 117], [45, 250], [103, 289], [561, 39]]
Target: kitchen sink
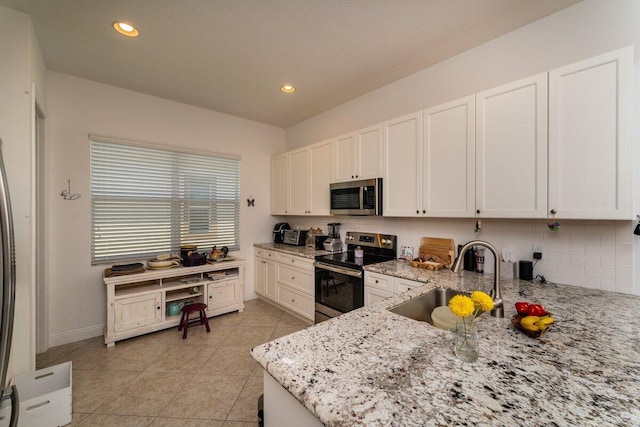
[[420, 308]]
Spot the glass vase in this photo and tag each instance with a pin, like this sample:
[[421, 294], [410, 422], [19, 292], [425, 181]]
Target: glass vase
[[466, 341]]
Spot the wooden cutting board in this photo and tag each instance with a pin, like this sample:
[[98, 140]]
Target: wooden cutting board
[[442, 248]]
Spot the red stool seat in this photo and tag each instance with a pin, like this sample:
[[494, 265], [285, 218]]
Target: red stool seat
[[192, 308]]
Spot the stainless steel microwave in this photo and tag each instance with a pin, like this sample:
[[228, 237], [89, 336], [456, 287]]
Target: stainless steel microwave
[[357, 197]]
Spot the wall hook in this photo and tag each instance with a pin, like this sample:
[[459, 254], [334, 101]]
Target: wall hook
[[67, 195], [251, 201]]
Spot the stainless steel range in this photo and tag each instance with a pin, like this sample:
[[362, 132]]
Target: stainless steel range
[[339, 276]]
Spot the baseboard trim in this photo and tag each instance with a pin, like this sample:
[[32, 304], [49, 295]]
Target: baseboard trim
[[75, 335]]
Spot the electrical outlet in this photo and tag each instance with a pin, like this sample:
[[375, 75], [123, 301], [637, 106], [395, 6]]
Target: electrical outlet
[[537, 255]]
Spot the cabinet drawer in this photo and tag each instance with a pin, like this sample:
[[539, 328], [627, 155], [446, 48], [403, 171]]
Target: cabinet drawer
[[296, 261], [296, 301], [263, 253], [295, 278], [378, 281], [403, 285]]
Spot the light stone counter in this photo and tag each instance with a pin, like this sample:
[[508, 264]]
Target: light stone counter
[[374, 368], [301, 251]]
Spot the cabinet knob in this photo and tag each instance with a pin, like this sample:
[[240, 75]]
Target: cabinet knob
[[293, 300], [424, 211], [352, 176], [417, 211], [376, 280], [158, 307], [293, 278], [210, 296]]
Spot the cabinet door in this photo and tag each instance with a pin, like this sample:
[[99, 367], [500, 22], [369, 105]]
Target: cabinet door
[[402, 166], [221, 294], [511, 150], [590, 137], [137, 311], [448, 159], [344, 160], [260, 267], [320, 178], [368, 154], [270, 279], [299, 182], [373, 295], [280, 184]]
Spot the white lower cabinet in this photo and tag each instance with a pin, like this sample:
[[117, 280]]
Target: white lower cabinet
[[147, 302], [137, 311], [378, 287], [287, 280]]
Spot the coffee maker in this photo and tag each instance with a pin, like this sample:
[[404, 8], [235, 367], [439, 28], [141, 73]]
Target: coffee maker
[[278, 231]]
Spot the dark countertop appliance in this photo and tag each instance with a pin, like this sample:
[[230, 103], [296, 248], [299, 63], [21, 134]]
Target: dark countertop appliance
[[278, 231], [295, 237], [339, 277]]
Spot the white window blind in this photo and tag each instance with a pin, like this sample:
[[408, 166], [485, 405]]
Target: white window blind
[[147, 201]]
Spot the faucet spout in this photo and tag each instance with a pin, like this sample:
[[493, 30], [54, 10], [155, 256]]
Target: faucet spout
[[496, 293]]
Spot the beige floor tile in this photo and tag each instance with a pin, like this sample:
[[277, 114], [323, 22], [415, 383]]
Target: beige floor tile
[[230, 361], [183, 422], [216, 337], [246, 407], [261, 318], [50, 357], [115, 421], [249, 336], [76, 419], [147, 395], [185, 359], [207, 397], [293, 321], [239, 424], [281, 331], [257, 371], [91, 388], [229, 319]]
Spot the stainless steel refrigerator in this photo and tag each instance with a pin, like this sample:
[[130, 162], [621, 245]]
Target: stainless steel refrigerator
[[7, 293]]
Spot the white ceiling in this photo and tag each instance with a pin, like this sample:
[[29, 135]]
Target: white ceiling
[[232, 55]]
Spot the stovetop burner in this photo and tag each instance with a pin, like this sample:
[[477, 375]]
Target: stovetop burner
[[376, 248]]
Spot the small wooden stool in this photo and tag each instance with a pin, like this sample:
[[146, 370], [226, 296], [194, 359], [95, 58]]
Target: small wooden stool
[[192, 308]]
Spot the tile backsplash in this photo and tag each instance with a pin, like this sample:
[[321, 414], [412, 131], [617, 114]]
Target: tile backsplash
[[591, 254]]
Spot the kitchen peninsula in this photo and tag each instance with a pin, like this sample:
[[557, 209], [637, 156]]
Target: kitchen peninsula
[[376, 368]]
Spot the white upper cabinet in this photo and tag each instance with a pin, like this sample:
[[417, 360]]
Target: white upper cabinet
[[369, 152], [344, 148], [511, 150], [590, 137], [448, 166], [358, 155], [299, 181], [402, 155], [280, 184], [320, 178]]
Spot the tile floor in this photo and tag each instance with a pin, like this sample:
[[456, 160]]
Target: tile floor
[[158, 379]]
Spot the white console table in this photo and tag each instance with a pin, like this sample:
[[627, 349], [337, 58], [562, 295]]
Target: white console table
[[138, 303]]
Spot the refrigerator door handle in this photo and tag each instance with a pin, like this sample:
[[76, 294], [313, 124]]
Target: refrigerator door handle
[[15, 406]]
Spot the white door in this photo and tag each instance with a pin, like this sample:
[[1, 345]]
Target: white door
[[368, 155], [590, 137], [280, 184], [299, 182], [320, 178], [402, 166], [511, 150], [448, 167], [344, 151], [137, 311]]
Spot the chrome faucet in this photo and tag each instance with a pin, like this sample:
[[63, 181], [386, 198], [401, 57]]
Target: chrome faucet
[[496, 294]]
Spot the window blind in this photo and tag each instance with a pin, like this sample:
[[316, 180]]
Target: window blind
[[147, 201]]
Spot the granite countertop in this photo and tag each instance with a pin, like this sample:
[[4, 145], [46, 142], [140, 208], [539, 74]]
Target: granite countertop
[[301, 251], [375, 368]]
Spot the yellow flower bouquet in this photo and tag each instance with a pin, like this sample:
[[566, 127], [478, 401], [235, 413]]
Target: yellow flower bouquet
[[468, 308]]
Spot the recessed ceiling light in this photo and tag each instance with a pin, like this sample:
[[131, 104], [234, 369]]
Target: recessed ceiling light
[[287, 88], [126, 29]]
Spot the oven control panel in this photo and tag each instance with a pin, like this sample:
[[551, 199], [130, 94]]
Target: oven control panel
[[371, 239]]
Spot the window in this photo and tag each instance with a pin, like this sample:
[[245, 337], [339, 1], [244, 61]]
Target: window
[[147, 201]]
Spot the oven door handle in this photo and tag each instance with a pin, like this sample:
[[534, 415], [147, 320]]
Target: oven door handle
[[341, 270]]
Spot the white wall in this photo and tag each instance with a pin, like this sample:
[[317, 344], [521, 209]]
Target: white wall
[[592, 254], [21, 65], [79, 107]]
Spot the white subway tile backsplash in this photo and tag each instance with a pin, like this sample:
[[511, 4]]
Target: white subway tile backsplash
[[594, 254], [600, 273]]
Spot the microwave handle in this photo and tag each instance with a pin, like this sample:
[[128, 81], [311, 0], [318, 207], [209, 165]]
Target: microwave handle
[[362, 191]]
